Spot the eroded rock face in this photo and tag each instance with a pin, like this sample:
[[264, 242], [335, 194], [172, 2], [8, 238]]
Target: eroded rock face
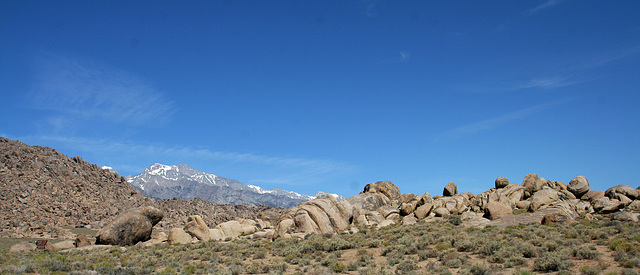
[[197, 227], [605, 205], [450, 190], [131, 227], [544, 197], [178, 236], [579, 186], [501, 182], [624, 190], [386, 188], [322, 215], [82, 240], [495, 210]]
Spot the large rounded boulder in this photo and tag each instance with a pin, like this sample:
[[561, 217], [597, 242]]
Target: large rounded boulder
[[579, 186], [131, 227]]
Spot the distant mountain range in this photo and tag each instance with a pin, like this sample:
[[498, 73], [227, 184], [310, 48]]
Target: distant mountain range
[[161, 181]]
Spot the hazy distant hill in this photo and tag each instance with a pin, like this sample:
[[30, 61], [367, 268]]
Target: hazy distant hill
[[181, 181]]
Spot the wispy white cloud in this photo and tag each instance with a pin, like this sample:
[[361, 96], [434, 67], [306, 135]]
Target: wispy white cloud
[[282, 170], [404, 55], [546, 5], [80, 89], [495, 122], [370, 8]]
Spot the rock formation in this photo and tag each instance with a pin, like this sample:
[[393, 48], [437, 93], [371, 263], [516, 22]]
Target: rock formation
[[131, 227]]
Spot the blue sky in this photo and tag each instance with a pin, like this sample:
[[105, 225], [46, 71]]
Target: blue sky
[[331, 95]]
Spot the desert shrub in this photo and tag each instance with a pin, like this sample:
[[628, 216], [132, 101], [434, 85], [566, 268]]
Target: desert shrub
[[585, 253], [452, 258], [477, 269], [551, 261], [339, 267], [490, 247], [338, 243], [428, 253], [550, 246], [589, 270], [406, 266], [353, 266], [442, 246], [529, 251], [466, 245]]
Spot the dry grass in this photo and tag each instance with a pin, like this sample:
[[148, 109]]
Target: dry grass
[[598, 247]]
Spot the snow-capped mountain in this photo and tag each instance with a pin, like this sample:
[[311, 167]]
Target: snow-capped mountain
[[161, 181]]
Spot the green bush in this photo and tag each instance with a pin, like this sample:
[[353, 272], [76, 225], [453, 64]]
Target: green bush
[[551, 261]]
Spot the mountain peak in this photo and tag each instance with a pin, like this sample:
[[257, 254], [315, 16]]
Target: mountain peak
[[161, 181]]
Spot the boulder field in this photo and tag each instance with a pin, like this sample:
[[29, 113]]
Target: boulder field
[[380, 204]]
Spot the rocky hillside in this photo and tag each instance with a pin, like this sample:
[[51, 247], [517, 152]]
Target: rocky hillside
[[161, 181], [43, 190]]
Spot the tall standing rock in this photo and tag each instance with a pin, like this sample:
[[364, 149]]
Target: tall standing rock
[[450, 190], [579, 186], [196, 227], [131, 227]]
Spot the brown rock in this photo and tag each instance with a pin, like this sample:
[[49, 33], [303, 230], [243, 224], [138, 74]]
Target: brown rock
[[327, 215], [386, 188], [130, 228], [496, 210], [450, 190], [543, 197], [557, 217], [179, 236], [579, 186], [24, 246], [423, 211], [625, 216], [501, 182], [624, 190], [409, 220], [407, 197], [62, 245], [196, 227], [605, 205], [592, 195], [82, 240], [441, 212]]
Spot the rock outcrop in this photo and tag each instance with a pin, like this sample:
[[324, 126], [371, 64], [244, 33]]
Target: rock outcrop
[[450, 189], [196, 227], [131, 227], [579, 186], [502, 182]]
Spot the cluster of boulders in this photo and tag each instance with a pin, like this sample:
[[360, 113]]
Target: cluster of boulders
[[380, 204], [537, 200]]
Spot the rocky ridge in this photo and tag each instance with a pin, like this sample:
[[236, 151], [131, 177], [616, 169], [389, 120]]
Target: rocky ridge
[[43, 190], [161, 181]]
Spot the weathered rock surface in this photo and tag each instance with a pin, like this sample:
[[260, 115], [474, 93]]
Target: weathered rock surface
[[544, 197], [579, 186], [502, 182], [625, 216], [495, 210], [179, 236], [592, 195], [196, 227], [450, 189], [131, 227], [233, 229], [24, 246], [622, 190], [557, 217], [81, 240], [605, 205]]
